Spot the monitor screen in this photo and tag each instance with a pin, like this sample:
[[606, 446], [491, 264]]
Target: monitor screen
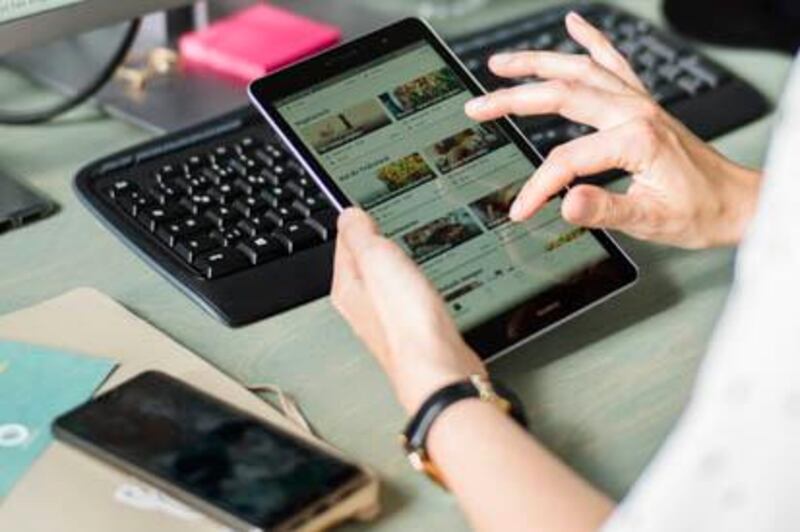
[[27, 23], [17, 9]]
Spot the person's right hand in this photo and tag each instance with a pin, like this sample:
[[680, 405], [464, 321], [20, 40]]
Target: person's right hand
[[683, 192]]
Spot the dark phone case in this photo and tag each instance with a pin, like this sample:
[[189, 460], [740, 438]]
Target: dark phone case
[[61, 430], [20, 205]]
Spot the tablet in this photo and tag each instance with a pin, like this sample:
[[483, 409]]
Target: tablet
[[379, 123]]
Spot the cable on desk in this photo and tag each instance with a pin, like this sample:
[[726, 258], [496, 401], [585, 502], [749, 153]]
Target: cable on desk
[[104, 76]]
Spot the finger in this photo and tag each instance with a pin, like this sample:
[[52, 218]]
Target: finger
[[349, 293], [601, 49], [628, 147], [388, 274], [345, 271], [575, 101], [402, 299], [592, 206], [357, 231], [552, 65], [378, 260]]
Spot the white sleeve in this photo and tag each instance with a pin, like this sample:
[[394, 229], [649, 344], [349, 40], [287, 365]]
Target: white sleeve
[[733, 461]]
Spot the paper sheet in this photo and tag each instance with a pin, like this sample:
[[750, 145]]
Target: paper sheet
[[37, 385]]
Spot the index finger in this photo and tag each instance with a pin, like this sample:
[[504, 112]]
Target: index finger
[[574, 101]]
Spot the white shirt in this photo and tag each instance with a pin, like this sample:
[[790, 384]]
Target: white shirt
[[733, 462]]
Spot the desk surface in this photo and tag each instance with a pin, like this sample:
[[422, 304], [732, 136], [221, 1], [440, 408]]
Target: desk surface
[[602, 391]]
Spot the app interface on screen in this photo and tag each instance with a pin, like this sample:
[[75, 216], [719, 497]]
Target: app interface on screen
[[394, 136]]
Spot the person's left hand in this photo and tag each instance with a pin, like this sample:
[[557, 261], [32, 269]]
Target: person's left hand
[[397, 313]]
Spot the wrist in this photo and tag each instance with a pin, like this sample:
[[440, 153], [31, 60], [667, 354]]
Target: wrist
[[418, 375]]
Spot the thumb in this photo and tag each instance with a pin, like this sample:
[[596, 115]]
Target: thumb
[[592, 206]]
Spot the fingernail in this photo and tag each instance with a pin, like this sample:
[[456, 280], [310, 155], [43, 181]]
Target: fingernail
[[501, 59], [515, 213], [574, 15], [476, 104]]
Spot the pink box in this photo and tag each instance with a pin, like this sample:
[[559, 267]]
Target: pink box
[[254, 42]]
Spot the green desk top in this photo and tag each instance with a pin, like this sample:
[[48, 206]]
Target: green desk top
[[603, 390]]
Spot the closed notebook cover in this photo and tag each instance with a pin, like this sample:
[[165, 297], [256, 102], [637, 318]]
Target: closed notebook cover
[[255, 41], [66, 490]]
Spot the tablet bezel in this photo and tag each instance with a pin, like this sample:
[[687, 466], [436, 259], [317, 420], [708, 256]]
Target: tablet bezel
[[512, 327]]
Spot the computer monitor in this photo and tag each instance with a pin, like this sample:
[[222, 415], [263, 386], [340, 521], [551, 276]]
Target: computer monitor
[[169, 103], [27, 24]]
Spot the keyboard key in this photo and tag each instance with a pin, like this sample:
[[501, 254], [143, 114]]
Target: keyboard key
[[690, 84], [256, 225], [270, 177], [666, 93], [167, 173], [175, 230], [220, 262], [244, 186], [296, 236], [192, 164], [296, 188], [660, 48], [134, 202], [211, 175], [224, 194], [227, 237], [325, 223], [153, 216], [708, 74], [190, 248], [283, 215], [222, 216], [163, 194], [275, 196], [120, 188], [238, 167], [261, 249], [251, 206], [246, 144], [265, 158], [197, 203]]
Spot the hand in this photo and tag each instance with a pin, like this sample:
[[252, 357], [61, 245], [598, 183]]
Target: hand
[[397, 313], [683, 192]]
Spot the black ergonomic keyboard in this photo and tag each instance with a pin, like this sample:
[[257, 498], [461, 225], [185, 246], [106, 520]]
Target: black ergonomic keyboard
[[225, 213]]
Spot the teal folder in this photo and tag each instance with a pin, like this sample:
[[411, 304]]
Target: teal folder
[[37, 385]]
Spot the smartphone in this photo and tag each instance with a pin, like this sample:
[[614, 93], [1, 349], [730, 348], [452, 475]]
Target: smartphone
[[379, 123], [20, 205], [241, 471]]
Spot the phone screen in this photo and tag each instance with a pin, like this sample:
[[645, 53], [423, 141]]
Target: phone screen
[[260, 474], [394, 137]]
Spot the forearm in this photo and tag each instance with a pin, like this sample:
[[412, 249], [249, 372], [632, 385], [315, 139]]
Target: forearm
[[505, 480]]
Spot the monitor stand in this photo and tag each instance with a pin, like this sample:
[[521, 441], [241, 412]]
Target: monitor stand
[[176, 101]]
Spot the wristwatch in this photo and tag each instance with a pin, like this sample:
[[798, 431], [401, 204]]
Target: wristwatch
[[414, 437]]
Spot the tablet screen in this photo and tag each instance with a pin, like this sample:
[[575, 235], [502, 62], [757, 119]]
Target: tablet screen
[[393, 135]]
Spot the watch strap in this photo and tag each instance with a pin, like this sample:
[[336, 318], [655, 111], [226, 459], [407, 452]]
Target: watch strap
[[416, 432], [415, 435]]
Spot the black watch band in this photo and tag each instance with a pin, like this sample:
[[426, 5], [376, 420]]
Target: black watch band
[[415, 435]]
